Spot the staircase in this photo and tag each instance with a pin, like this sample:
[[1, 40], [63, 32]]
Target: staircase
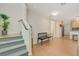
[[12, 46]]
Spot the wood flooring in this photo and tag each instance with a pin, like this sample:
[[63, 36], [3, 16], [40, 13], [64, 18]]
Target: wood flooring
[[56, 47]]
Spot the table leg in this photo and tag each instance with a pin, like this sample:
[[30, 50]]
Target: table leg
[[41, 42], [37, 41], [78, 46], [71, 36]]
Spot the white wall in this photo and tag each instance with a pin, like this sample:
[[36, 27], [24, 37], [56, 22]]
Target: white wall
[[15, 11], [39, 24]]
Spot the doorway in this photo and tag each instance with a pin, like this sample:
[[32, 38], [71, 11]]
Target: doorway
[[57, 28]]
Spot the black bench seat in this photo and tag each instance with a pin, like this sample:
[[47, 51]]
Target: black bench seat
[[42, 36]]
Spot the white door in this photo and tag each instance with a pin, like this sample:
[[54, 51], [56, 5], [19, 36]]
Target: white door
[[56, 30], [53, 28]]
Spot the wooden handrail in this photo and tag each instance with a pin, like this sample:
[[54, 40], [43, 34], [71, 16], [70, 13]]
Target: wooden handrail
[[23, 24]]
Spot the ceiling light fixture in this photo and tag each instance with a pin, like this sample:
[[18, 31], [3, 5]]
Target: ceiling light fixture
[[54, 13]]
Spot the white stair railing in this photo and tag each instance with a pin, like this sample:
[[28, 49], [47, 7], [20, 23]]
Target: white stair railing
[[26, 33]]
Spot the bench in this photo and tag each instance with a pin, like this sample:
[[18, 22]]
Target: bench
[[42, 36]]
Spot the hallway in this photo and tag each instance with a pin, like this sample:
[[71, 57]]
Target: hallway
[[56, 47]]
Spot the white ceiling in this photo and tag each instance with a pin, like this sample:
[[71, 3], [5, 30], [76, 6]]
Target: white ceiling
[[66, 11]]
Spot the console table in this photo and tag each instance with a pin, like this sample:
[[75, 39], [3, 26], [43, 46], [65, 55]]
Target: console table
[[72, 33]]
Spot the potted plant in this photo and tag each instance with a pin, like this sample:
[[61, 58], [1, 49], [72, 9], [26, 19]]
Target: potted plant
[[5, 23]]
